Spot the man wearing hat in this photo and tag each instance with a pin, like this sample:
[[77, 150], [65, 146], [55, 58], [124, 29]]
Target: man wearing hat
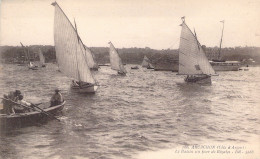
[[14, 95], [57, 98], [21, 101], [8, 106]]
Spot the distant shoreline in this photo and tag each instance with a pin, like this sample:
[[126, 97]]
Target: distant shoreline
[[246, 55]]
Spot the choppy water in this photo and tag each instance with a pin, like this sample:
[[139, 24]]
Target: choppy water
[[145, 111]]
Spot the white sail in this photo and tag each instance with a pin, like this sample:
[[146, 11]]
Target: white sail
[[42, 58], [192, 59], [150, 65], [146, 63], [115, 60], [90, 58], [70, 51], [31, 64]]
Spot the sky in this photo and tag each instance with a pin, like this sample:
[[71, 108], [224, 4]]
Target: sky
[[133, 23]]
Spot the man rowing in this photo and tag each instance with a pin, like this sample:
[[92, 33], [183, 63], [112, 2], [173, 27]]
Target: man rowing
[[57, 98], [8, 106], [14, 103], [21, 109]]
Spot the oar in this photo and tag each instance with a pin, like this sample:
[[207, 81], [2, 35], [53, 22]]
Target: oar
[[42, 111], [35, 105]]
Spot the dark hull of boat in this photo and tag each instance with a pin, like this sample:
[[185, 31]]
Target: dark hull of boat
[[150, 67], [226, 68], [121, 73], [22, 64], [94, 69], [205, 79], [85, 88], [19, 120], [33, 68], [135, 68], [104, 65]]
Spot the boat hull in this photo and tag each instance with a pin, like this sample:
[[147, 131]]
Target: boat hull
[[121, 73], [225, 66], [33, 68], [94, 69], [19, 120], [84, 88], [135, 68], [202, 79], [150, 68]]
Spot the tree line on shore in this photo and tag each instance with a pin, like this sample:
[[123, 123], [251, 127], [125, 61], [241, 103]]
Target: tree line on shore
[[134, 55]]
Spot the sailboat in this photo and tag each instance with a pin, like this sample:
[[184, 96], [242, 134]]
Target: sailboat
[[115, 60], [42, 58], [146, 63], [192, 59], [222, 65], [72, 56], [31, 64]]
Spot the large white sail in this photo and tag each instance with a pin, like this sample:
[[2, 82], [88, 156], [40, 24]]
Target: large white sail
[[70, 51], [115, 60], [42, 59], [192, 59]]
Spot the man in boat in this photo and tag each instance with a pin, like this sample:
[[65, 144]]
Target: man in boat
[[57, 98], [14, 95], [23, 104], [8, 105]]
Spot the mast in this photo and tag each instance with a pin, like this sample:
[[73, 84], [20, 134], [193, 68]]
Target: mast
[[221, 39], [77, 50]]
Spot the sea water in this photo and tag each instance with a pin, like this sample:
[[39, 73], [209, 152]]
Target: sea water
[[145, 114]]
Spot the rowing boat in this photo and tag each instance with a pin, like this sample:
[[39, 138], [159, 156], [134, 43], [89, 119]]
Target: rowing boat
[[18, 120]]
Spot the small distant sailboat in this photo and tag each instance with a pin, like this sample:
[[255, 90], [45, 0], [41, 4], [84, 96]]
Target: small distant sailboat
[[31, 64], [115, 60], [42, 58], [72, 56], [192, 59], [147, 63]]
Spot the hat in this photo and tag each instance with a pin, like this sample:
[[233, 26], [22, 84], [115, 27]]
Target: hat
[[57, 90], [18, 92]]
